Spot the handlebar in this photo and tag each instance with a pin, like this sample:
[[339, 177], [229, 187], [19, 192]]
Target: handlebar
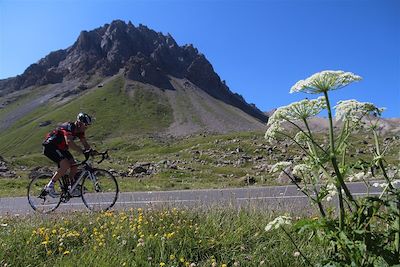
[[87, 153], [104, 155]]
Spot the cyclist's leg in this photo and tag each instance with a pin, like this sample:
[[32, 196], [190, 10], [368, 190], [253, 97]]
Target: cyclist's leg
[[59, 157], [73, 169], [64, 165]]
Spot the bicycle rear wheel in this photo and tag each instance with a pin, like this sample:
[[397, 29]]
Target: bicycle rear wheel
[[39, 199], [99, 190]]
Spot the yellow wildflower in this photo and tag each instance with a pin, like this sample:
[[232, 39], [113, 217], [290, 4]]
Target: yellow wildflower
[[66, 252]]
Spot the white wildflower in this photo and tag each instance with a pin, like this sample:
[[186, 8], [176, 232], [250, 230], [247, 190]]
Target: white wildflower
[[357, 176], [353, 111], [280, 166], [382, 185], [278, 222], [395, 182], [273, 131], [299, 110], [301, 138], [324, 81], [332, 191], [302, 170], [296, 254]]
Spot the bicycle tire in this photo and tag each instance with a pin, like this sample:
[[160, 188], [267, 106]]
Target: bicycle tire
[[101, 193], [38, 199]]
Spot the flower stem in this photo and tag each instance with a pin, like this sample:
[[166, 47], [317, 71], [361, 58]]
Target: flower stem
[[333, 153], [295, 245], [390, 186]]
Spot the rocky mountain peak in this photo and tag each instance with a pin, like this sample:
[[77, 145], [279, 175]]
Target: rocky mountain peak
[[141, 53]]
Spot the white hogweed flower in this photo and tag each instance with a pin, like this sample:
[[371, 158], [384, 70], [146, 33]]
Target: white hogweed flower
[[353, 111], [300, 110], [273, 131], [395, 182], [280, 166], [278, 222], [357, 176], [324, 81], [301, 138], [302, 170], [382, 185], [332, 191]]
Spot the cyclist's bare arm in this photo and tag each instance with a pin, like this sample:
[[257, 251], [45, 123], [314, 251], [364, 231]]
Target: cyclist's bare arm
[[73, 145], [85, 143]]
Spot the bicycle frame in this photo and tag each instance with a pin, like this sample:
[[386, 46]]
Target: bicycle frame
[[87, 171], [72, 187], [92, 188]]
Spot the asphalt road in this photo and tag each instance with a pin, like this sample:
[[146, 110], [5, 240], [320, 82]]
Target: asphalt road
[[272, 198]]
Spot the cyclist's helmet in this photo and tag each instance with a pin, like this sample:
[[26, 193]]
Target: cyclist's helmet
[[84, 118]]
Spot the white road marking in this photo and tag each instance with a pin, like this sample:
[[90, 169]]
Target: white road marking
[[301, 196]]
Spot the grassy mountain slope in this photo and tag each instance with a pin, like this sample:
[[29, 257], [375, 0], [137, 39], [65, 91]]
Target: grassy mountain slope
[[118, 115], [123, 109]]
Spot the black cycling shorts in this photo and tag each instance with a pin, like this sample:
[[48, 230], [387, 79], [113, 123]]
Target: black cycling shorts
[[55, 154]]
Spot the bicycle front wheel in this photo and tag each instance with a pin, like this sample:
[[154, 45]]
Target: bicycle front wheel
[[39, 199], [99, 190]]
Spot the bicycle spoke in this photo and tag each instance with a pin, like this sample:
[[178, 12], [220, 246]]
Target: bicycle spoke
[[100, 192], [39, 200]]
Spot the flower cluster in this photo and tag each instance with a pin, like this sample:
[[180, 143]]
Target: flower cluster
[[273, 131], [278, 222], [302, 170], [301, 138], [353, 111], [324, 81], [300, 110], [359, 176], [280, 166], [332, 191], [296, 111]]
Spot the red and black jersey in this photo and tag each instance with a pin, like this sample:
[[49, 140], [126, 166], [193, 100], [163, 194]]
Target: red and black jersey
[[58, 136]]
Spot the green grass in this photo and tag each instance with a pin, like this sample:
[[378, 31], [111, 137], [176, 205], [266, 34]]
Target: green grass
[[117, 113], [21, 100], [13, 187], [197, 159], [151, 238], [129, 123]]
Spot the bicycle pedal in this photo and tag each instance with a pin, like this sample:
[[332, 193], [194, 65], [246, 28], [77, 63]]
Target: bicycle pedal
[[43, 194]]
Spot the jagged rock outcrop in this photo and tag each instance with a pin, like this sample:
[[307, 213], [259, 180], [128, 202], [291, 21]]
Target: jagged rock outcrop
[[141, 53]]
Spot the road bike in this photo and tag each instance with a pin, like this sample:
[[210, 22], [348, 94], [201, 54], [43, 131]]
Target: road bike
[[98, 188]]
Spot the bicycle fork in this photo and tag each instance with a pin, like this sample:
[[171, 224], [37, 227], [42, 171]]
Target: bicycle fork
[[95, 182]]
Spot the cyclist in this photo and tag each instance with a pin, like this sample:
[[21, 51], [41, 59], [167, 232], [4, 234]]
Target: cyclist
[[57, 143]]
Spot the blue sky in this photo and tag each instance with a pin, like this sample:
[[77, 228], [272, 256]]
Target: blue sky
[[259, 47]]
